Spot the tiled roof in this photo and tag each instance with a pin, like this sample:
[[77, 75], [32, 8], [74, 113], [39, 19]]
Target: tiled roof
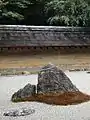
[[19, 35]]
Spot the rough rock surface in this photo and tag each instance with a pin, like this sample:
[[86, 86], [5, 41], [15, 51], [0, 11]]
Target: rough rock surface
[[27, 91], [52, 79], [19, 112]]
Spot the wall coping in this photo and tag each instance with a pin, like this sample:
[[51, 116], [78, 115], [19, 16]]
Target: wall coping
[[44, 28]]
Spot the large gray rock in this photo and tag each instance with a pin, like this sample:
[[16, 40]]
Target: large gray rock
[[52, 79], [19, 112], [27, 91]]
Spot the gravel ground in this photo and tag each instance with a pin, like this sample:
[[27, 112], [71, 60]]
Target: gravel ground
[[11, 84]]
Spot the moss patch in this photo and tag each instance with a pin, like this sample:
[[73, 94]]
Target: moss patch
[[68, 98]]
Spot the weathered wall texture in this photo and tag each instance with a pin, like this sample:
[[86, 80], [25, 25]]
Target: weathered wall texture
[[20, 36]]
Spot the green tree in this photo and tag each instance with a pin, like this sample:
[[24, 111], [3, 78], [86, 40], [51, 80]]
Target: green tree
[[22, 11], [45, 12], [88, 1], [11, 11], [68, 12]]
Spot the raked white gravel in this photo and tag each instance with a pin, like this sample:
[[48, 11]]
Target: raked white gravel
[[8, 85]]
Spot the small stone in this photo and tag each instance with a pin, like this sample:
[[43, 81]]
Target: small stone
[[20, 112], [27, 91], [13, 113], [25, 72], [88, 72]]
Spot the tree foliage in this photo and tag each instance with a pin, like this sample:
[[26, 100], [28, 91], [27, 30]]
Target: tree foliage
[[45, 12], [11, 11], [68, 12]]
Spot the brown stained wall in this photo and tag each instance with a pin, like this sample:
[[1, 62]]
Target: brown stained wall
[[44, 50], [39, 36]]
